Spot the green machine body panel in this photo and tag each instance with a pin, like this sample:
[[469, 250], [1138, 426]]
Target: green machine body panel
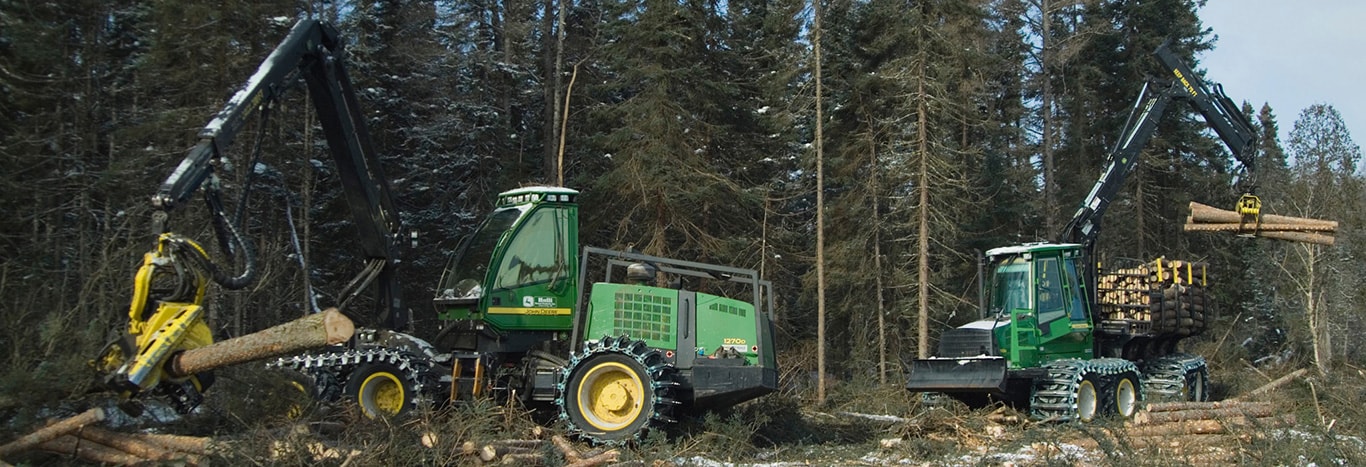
[[643, 312], [730, 329]]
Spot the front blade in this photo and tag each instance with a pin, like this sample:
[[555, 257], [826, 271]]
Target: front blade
[[956, 375]]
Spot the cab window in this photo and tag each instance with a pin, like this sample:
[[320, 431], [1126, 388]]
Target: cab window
[[1078, 309], [1048, 289], [536, 254]]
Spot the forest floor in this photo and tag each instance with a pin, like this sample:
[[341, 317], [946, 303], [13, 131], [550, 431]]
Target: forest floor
[[251, 419]]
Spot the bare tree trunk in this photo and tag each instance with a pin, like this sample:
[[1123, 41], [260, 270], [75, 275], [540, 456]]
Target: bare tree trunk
[[1313, 310], [1050, 184], [877, 279], [551, 94], [820, 212], [923, 216]]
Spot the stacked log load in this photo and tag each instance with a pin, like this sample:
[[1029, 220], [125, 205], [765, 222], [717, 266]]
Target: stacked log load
[[1162, 296]]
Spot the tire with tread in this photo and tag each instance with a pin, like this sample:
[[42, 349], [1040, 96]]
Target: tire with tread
[[1123, 395], [616, 390], [381, 390], [1088, 398], [1082, 390]]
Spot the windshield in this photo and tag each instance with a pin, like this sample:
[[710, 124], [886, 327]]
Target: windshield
[[1009, 285], [466, 272]]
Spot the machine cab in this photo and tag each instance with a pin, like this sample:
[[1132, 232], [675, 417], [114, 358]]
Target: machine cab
[[519, 270], [1036, 300]]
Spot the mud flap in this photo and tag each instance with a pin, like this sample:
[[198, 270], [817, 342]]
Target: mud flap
[[958, 375]]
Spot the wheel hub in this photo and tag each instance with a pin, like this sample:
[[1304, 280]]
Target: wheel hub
[[384, 393], [611, 394]]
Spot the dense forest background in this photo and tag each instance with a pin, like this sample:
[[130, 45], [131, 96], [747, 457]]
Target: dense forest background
[[949, 127]]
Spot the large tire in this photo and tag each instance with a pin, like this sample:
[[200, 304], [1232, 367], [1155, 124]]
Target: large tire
[[615, 390], [1088, 399], [1196, 388], [1124, 395], [610, 396], [381, 390]]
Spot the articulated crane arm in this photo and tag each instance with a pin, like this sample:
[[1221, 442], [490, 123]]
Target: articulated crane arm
[[1219, 112], [166, 316]]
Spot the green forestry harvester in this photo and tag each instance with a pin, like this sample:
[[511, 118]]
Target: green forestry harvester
[[522, 319], [1068, 341], [610, 339]]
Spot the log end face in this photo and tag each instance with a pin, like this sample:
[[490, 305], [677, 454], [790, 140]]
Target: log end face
[[339, 328]]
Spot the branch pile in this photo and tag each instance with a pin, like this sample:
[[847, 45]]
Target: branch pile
[[1205, 218]]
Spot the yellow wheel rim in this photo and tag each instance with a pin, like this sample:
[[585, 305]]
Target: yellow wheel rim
[[611, 396], [382, 394], [1126, 398], [1086, 401]]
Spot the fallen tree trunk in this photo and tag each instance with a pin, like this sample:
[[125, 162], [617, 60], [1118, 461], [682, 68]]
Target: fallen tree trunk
[[52, 431], [1268, 387], [312, 331]]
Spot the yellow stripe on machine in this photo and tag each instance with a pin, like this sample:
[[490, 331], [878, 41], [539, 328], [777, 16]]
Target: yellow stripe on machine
[[503, 310]]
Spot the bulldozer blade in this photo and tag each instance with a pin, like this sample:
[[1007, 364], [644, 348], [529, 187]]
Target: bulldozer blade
[[958, 375]]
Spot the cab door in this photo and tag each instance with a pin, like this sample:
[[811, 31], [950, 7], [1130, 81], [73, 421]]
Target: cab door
[[533, 280], [1063, 327]]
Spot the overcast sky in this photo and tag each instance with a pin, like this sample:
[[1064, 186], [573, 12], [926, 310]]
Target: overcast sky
[[1291, 54]]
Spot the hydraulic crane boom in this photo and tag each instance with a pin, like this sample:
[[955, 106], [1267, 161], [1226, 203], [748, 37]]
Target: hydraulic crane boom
[[1219, 112], [166, 315], [313, 51]]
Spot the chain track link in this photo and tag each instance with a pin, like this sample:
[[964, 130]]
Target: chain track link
[[1164, 377], [662, 382], [1055, 394], [331, 368]]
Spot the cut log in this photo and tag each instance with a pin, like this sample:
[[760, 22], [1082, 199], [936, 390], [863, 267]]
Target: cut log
[[1174, 406], [1302, 237], [69, 445], [1201, 213], [570, 453], [312, 331], [182, 443], [52, 431], [1227, 227], [1187, 427], [521, 443], [1200, 426], [1185, 442], [523, 459], [600, 459], [1268, 387], [1143, 418], [491, 452], [134, 445]]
